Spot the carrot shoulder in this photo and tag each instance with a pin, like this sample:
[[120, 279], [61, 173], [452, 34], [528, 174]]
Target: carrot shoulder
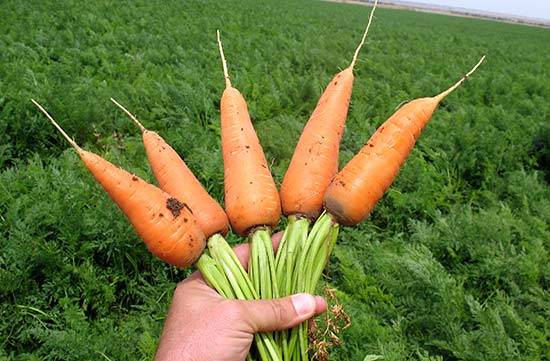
[[166, 225]]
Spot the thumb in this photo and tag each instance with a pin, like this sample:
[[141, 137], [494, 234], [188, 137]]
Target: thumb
[[283, 313]]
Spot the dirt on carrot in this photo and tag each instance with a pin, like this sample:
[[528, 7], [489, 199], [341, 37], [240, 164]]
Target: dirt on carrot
[[175, 206]]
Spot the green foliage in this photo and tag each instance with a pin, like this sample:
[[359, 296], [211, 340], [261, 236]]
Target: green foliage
[[452, 265]]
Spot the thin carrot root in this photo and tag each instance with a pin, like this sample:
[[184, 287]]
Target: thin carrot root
[[132, 116], [69, 139], [224, 62], [443, 94], [364, 36]]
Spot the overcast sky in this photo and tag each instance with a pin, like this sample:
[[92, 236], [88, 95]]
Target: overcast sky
[[529, 8]]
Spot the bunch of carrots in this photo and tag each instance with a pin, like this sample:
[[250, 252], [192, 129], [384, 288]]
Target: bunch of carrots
[[178, 219]]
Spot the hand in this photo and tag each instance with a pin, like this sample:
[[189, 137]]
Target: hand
[[202, 325]]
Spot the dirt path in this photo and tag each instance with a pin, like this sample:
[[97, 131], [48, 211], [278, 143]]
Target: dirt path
[[451, 12]]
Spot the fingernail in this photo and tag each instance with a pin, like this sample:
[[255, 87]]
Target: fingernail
[[304, 304]]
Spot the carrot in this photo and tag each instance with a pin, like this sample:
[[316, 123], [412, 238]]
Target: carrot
[[313, 165], [166, 225], [176, 178], [315, 159], [251, 197], [251, 203], [356, 189]]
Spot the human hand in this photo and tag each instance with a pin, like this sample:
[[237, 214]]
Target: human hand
[[202, 325]]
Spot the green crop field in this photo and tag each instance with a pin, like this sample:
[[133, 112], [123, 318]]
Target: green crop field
[[454, 262]]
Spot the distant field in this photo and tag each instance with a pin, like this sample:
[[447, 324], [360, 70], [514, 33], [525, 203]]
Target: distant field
[[452, 265]]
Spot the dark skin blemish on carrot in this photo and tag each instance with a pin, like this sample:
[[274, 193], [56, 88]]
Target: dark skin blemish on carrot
[[135, 179], [175, 206]]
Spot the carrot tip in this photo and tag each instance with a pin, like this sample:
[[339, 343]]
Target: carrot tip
[[132, 116], [224, 62], [443, 94], [50, 118], [354, 60]]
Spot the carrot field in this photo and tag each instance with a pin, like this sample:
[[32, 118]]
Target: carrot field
[[453, 263]]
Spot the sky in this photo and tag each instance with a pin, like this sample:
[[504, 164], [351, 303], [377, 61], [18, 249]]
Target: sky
[[529, 8]]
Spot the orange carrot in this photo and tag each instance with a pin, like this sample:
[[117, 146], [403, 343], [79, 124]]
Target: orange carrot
[[176, 178], [315, 159], [252, 202], [356, 189], [251, 197], [166, 225]]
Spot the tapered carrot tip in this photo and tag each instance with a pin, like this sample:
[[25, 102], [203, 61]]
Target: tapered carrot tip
[[132, 116], [224, 62], [251, 197], [65, 135], [356, 54], [315, 159], [177, 179], [443, 94]]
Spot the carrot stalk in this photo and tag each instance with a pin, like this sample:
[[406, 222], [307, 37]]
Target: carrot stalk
[[290, 247], [242, 288], [262, 264], [210, 270]]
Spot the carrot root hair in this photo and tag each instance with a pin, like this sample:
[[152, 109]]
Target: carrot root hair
[[443, 94], [356, 54], [132, 116]]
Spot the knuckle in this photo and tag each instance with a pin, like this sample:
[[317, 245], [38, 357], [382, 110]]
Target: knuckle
[[280, 313]]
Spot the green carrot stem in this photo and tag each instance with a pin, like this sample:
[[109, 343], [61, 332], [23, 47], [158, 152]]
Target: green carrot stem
[[312, 260], [290, 247], [262, 266], [212, 275], [243, 289]]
